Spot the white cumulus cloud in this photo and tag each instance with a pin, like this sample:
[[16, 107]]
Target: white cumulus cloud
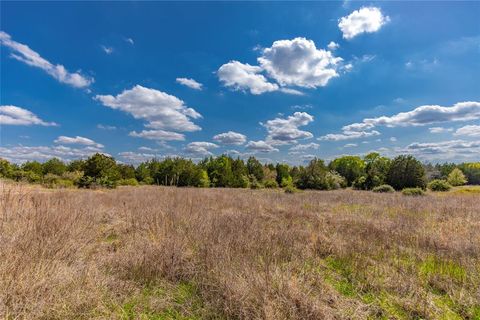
[[23, 53], [163, 112], [230, 138], [13, 115], [298, 62], [243, 77], [364, 20], [285, 130], [260, 146], [77, 140], [200, 148], [191, 83], [160, 135], [469, 131]]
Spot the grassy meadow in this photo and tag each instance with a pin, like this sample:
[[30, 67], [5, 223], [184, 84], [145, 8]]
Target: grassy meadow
[[190, 253]]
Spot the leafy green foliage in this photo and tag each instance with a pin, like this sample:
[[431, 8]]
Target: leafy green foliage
[[54, 166], [384, 188], [439, 185], [456, 178], [350, 167], [406, 172], [413, 192]]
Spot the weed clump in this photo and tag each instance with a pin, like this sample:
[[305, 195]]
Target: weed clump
[[439, 185], [384, 188], [416, 192]]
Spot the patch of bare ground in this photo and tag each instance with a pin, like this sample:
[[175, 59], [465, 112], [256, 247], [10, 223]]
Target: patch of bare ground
[[172, 253]]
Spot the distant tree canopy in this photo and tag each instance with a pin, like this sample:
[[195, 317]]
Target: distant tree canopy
[[365, 173]]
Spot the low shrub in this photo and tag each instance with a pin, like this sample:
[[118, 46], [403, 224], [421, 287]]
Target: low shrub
[[128, 182], [384, 188], [360, 183], [439, 185], [290, 189], [271, 184], [413, 192]]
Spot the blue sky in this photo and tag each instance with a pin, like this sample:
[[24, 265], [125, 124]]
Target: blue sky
[[281, 81]]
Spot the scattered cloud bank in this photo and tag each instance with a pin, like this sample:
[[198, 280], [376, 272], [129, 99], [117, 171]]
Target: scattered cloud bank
[[260, 146], [165, 114], [303, 147], [77, 140], [443, 150], [230, 138], [12, 115], [160, 135], [23, 53], [20, 154], [296, 62], [469, 131], [200, 148], [420, 116], [106, 127], [350, 145], [364, 20], [191, 83], [439, 129], [286, 131]]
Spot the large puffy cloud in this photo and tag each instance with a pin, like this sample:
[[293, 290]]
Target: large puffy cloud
[[12, 115], [163, 112], [298, 62], [200, 148], [20, 154], [160, 135], [260, 146], [191, 83], [367, 19], [77, 140], [230, 138], [285, 131], [26, 55], [242, 76], [469, 131]]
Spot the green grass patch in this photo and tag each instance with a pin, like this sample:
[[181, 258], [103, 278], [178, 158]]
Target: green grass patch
[[434, 266]]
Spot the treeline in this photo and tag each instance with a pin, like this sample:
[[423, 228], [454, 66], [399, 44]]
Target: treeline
[[369, 172]]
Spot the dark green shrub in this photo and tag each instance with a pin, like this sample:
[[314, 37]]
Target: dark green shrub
[[384, 188], [439, 185], [413, 192], [406, 172]]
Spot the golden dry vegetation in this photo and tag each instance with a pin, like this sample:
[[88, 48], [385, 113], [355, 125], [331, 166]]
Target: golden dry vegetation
[[181, 253]]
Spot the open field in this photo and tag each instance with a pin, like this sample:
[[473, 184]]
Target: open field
[[181, 253]]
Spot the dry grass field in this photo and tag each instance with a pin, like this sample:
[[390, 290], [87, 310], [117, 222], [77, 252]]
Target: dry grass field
[[172, 253]]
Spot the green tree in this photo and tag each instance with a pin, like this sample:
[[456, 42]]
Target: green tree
[[33, 166], [100, 166], [126, 171], [142, 173], [376, 169], [350, 167], [313, 176], [239, 173], [255, 168], [283, 173], [471, 171], [456, 178], [54, 166], [6, 169], [406, 172], [76, 165]]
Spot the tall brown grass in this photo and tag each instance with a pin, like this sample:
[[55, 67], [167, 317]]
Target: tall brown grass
[[171, 253]]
